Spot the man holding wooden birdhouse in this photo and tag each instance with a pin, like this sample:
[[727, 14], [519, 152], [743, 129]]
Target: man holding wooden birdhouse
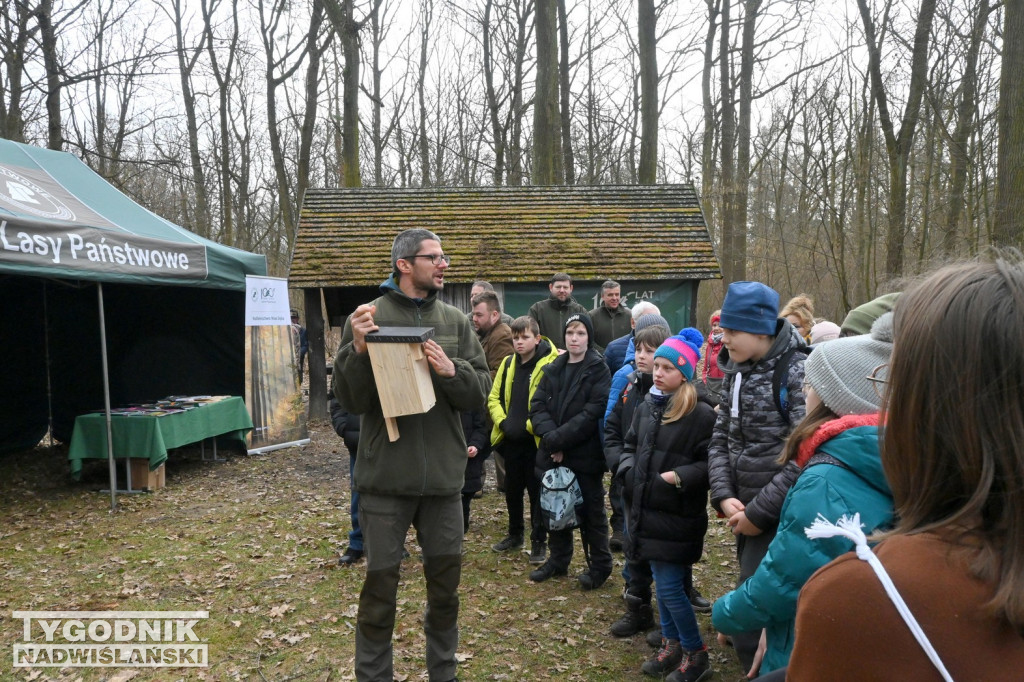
[[410, 469]]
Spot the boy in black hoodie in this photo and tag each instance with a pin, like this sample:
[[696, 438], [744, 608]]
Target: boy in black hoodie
[[566, 411]]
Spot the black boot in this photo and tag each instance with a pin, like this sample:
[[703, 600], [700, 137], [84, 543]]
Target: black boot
[[639, 616]]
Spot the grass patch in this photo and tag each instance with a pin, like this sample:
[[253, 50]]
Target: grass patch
[[254, 541]]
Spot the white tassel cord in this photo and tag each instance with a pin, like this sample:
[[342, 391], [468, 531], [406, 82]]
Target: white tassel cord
[[850, 528]]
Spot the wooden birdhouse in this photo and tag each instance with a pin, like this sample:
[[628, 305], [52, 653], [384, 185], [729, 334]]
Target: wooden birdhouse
[[401, 372]]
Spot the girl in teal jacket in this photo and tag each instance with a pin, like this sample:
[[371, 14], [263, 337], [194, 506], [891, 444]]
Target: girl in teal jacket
[[837, 448]]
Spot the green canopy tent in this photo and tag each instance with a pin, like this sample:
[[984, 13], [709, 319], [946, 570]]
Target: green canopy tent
[[171, 318]]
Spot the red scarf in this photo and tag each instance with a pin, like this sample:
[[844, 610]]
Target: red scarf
[[830, 430]]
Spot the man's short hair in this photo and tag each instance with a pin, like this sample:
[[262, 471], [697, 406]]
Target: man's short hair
[[407, 243], [610, 284], [488, 297], [642, 308], [523, 323], [651, 337], [561, 277], [483, 284]]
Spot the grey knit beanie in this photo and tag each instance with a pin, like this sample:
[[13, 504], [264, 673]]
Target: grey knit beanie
[[649, 320], [838, 370]]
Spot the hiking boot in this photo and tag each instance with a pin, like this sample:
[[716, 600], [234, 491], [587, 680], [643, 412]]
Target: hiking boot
[[664, 659], [694, 667], [615, 541], [639, 616], [548, 570], [698, 601], [351, 556], [510, 542], [591, 579], [654, 638], [538, 553]]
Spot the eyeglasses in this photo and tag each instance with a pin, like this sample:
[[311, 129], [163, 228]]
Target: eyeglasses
[[879, 377], [435, 258]]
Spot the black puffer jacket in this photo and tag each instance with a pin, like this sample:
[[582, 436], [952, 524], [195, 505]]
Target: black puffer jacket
[[667, 523], [345, 425], [621, 417], [744, 448], [477, 432], [566, 418]]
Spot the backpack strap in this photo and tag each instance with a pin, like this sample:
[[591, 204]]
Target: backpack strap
[[780, 380]]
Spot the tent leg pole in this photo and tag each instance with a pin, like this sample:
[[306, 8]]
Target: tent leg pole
[[106, 402]]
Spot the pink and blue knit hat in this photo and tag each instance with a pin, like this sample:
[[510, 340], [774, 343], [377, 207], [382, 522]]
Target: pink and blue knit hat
[[683, 351]]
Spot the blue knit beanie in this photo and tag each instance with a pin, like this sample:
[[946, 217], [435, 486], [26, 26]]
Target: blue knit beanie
[[750, 307]]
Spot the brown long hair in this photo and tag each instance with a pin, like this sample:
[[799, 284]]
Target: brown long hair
[[804, 430], [953, 448]]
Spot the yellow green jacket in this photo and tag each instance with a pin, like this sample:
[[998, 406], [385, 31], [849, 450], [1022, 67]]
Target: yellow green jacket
[[501, 388]]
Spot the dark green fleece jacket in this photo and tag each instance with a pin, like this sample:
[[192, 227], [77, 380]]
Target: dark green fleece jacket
[[429, 458]]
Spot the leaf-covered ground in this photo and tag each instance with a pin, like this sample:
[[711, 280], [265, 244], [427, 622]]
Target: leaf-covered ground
[[254, 541]]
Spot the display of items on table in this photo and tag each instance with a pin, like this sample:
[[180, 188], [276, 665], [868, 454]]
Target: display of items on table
[[172, 404]]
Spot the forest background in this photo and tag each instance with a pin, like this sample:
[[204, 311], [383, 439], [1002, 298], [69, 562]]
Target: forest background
[[836, 147]]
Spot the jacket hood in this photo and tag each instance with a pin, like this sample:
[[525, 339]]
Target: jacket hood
[[786, 337], [854, 441], [390, 285]]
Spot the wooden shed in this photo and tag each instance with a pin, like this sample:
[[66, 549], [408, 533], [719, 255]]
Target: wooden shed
[[651, 238]]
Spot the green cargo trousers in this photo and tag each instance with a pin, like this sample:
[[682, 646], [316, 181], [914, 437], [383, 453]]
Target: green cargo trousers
[[385, 519]]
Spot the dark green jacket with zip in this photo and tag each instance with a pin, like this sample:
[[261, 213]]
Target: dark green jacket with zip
[[429, 458]]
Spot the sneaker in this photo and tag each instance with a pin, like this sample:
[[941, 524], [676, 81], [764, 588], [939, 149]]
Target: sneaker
[[351, 556], [510, 542], [694, 667], [548, 570], [664, 659], [654, 638], [538, 553], [591, 579], [699, 602], [615, 541]]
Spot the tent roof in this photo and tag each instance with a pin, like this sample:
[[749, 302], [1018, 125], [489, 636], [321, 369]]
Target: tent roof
[[507, 234], [59, 219]]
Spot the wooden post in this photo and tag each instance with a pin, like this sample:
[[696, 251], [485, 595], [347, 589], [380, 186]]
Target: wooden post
[[401, 372]]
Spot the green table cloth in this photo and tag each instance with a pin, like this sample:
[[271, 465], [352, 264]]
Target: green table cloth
[[150, 437]]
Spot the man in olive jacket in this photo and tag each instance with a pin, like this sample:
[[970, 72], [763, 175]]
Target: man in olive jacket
[[552, 312], [611, 319], [416, 480]]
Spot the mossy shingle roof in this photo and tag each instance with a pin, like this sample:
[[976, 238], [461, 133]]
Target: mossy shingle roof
[[511, 234]]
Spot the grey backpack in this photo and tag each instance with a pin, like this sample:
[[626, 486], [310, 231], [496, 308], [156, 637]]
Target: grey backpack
[[560, 494]]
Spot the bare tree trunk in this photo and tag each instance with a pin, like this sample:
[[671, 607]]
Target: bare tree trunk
[[186, 65], [312, 85], [1009, 223], [225, 82], [647, 43], [518, 109], [14, 50], [898, 145], [751, 11], [426, 17], [707, 169], [48, 40], [967, 108], [731, 231], [546, 123], [568, 163], [347, 30], [493, 107]]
